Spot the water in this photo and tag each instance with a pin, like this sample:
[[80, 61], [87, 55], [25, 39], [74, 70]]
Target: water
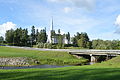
[[41, 66], [91, 63], [36, 66]]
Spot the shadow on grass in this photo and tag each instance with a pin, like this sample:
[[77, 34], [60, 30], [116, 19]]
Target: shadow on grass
[[63, 74]]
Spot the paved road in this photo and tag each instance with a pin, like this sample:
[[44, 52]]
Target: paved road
[[66, 50]]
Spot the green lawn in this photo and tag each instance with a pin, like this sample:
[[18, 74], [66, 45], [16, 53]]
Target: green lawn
[[109, 70], [68, 73], [45, 57]]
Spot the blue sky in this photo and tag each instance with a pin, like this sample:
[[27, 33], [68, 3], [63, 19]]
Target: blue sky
[[99, 18]]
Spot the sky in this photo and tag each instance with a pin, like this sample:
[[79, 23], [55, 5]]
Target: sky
[[99, 18]]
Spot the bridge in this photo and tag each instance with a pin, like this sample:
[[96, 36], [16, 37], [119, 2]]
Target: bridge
[[92, 55], [95, 55]]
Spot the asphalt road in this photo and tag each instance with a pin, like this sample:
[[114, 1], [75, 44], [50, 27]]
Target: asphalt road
[[66, 50]]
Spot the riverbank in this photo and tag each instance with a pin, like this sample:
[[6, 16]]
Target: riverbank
[[43, 57], [100, 71], [108, 70]]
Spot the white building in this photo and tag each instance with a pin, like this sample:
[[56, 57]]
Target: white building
[[54, 38]]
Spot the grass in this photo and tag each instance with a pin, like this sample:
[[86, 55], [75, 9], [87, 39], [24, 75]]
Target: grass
[[112, 63], [45, 57], [109, 70], [68, 73]]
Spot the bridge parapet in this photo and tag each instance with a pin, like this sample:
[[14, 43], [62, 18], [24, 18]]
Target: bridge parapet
[[94, 54]]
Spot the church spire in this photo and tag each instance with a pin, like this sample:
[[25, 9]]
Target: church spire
[[52, 24]]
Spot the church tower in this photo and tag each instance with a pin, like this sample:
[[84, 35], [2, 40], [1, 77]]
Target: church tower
[[51, 29], [52, 24]]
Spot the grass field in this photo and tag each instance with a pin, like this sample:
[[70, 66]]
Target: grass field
[[109, 70], [67, 73], [45, 57]]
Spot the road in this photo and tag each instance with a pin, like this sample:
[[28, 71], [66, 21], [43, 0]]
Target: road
[[68, 50]]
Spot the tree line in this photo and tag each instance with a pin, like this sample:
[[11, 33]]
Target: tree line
[[82, 40], [20, 37]]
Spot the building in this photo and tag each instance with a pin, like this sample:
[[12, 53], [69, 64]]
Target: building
[[55, 37]]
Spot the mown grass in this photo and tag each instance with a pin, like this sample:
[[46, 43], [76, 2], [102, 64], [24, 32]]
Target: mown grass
[[109, 70], [68, 73], [45, 57]]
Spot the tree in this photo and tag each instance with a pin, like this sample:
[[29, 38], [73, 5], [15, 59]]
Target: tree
[[81, 40], [78, 36], [42, 37], [89, 45], [84, 40], [33, 36], [75, 39], [37, 33], [60, 41], [9, 36], [81, 43], [1, 39], [68, 37], [18, 37], [58, 31], [94, 44], [24, 37]]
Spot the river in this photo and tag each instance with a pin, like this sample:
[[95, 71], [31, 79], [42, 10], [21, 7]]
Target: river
[[35, 66]]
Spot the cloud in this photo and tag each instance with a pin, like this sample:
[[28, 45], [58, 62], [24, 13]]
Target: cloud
[[88, 4], [67, 9], [57, 0], [117, 23], [6, 26]]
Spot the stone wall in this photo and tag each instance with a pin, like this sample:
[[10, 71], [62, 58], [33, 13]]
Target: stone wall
[[17, 61]]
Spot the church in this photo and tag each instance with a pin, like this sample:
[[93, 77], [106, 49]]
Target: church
[[54, 37]]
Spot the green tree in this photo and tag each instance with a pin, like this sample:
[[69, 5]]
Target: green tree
[[60, 41], [9, 36], [37, 33], [84, 40], [58, 31], [68, 37], [33, 36], [94, 44], [42, 37], [81, 40], [81, 43], [1, 39], [18, 37], [74, 41], [24, 37]]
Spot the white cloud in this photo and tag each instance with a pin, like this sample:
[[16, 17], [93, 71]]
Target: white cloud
[[117, 22], [6, 26], [67, 9], [57, 0]]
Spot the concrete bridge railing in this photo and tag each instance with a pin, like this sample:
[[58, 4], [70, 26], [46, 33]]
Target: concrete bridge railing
[[93, 53]]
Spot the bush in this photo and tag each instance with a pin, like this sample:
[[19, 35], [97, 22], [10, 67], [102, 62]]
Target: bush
[[45, 45], [49, 46], [40, 45]]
